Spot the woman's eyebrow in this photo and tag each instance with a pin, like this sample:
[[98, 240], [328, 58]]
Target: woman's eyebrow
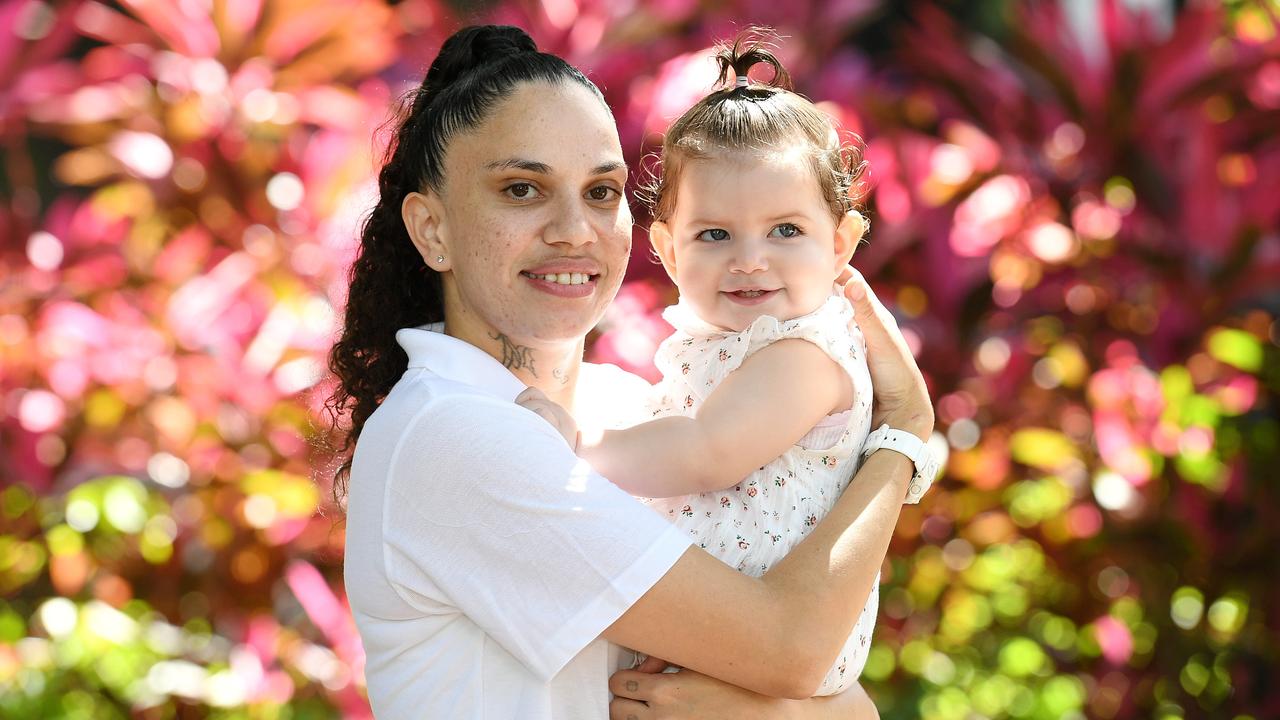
[[520, 164], [542, 168], [606, 168]]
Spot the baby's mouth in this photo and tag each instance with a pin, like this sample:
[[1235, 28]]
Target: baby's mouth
[[749, 296]]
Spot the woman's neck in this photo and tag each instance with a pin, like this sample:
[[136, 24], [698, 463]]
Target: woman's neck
[[553, 369]]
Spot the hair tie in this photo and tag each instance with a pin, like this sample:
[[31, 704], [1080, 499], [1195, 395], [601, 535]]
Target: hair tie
[[741, 82]]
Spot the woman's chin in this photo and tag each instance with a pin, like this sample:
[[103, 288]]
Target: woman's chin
[[551, 331]]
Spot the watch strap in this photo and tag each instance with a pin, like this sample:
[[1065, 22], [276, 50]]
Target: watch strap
[[901, 441]]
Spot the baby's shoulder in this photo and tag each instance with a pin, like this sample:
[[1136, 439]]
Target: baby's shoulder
[[831, 327]]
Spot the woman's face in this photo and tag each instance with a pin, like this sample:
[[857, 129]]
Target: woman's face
[[533, 219]]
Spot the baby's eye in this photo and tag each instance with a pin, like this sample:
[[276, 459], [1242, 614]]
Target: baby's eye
[[521, 191], [601, 193], [714, 235], [785, 230]]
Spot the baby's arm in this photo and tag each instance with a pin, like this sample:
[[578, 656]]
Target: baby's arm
[[757, 413]]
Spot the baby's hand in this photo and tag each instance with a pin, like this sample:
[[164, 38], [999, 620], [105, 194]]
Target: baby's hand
[[533, 399]]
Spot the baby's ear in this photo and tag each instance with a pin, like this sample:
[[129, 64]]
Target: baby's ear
[[663, 246], [848, 234]]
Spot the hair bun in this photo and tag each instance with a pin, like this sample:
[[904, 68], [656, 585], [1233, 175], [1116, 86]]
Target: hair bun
[[473, 47], [751, 47]]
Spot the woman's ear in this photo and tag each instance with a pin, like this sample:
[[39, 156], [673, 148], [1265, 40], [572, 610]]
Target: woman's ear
[[848, 234], [663, 246], [422, 214]]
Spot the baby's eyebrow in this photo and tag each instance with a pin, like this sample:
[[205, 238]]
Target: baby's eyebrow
[[797, 215]]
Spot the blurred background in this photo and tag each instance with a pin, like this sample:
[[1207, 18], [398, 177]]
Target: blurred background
[[1075, 209]]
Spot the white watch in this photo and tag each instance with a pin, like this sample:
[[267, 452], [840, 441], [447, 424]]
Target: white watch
[[914, 448]]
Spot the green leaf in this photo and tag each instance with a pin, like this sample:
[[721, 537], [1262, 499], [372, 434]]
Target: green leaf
[[1236, 348]]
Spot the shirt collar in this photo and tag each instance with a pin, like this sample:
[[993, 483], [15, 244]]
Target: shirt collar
[[430, 348]]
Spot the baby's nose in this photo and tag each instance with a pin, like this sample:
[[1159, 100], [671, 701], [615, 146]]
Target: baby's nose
[[750, 257]]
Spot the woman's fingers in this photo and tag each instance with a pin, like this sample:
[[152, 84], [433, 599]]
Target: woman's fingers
[[900, 392], [686, 694], [651, 664], [631, 684], [624, 709], [870, 313]]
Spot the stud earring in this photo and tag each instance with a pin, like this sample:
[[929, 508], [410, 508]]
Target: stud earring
[[439, 258]]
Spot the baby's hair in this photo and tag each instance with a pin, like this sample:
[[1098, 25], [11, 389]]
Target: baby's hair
[[757, 116]]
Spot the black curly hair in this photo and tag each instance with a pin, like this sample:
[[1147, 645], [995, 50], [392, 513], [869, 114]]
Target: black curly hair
[[390, 286], [747, 114]]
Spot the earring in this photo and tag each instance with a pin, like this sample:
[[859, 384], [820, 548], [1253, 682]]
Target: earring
[[439, 258]]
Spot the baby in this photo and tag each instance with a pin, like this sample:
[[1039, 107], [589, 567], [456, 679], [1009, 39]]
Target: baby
[[766, 398]]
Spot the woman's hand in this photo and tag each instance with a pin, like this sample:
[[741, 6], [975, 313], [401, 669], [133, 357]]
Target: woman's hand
[[648, 694], [902, 399], [560, 419], [686, 694]]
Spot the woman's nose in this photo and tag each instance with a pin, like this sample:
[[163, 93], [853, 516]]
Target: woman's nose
[[571, 226]]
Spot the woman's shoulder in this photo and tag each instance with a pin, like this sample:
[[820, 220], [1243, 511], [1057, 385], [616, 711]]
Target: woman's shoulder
[[435, 416]]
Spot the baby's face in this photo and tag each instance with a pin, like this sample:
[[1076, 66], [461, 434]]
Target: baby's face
[[750, 235]]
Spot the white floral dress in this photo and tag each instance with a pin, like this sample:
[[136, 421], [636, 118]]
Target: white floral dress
[[755, 523]]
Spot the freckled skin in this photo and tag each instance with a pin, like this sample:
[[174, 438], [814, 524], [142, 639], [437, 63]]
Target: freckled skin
[[492, 236], [748, 195]]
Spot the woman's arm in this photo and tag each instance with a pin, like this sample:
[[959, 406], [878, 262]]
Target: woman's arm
[[758, 412], [778, 633], [784, 628]]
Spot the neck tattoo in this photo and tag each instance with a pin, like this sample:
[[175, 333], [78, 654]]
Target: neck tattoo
[[560, 375], [515, 357]]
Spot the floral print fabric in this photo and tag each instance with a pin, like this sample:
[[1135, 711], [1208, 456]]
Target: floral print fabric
[[753, 524]]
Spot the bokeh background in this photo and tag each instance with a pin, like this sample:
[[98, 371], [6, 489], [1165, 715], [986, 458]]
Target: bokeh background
[[1074, 215]]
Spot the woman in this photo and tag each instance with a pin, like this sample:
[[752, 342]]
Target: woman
[[491, 573]]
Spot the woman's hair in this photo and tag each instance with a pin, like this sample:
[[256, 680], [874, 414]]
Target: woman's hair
[[746, 114], [390, 286]]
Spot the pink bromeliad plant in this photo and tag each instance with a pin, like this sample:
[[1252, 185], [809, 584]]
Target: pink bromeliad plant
[[1074, 217]]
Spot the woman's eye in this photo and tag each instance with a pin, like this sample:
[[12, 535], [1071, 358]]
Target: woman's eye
[[785, 230], [521, 191], [714, 235], [600, 193]]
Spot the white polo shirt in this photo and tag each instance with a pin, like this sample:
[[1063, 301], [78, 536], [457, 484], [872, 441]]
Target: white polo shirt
[[483, 558]]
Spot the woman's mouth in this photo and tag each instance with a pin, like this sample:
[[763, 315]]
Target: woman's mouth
[[565, 284], [562, 278]]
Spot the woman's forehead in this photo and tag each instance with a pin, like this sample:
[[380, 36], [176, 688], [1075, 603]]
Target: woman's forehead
[[561, 126]]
